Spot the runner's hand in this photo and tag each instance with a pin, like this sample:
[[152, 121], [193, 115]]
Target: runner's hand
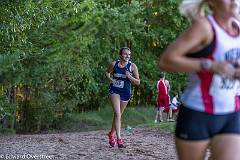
[[128, 74], [111, 80], [224, 69]]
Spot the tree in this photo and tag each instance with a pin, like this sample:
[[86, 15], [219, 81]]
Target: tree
[[55, 53]]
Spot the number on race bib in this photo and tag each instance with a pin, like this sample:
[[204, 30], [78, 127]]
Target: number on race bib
[[118, 83], [221, 86]]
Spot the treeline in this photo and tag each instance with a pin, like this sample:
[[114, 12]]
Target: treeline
[[54, 55]]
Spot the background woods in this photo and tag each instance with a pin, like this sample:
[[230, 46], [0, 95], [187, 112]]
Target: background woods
[[54, 55]]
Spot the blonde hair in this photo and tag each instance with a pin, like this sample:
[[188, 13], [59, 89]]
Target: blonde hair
[[193, 8]]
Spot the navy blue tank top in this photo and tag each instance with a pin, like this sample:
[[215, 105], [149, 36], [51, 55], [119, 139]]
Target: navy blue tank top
[[120, 82]]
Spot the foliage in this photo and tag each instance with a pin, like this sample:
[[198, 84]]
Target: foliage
[[55, 54]]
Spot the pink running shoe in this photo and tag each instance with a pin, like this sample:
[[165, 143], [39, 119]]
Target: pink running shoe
[[120, 143], [111, 139]]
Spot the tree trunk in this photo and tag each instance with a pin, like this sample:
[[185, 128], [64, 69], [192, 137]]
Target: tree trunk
[[14, 102]]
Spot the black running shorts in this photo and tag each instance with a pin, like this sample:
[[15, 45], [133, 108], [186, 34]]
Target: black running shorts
[[195, 125]]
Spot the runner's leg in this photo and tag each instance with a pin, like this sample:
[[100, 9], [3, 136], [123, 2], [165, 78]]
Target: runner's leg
[[170, 118], [123, 105], [226, 146], [191, 150], [115, 99], [161, 113], [157, 115]]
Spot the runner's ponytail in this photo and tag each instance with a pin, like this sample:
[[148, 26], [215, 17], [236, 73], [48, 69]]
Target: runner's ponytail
[[192, 9]]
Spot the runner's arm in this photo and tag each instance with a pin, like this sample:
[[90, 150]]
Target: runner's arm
[[135, 76], [168, 86], [109, 71]]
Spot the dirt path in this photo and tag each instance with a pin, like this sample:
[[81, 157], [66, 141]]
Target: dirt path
[[142, 144]]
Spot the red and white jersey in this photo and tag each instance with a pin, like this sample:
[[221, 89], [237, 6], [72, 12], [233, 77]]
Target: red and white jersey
[[163, 88], [211, 93]]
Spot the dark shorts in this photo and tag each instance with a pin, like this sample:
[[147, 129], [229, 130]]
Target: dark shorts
[[124, 96], [195, 125]]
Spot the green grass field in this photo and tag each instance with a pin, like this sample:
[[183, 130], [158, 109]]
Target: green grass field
[[98, 120]]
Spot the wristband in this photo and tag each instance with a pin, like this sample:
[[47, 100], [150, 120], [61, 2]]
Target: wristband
[[206, 64]]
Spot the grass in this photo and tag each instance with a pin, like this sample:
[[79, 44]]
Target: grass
[[97, 120], [6, 130]]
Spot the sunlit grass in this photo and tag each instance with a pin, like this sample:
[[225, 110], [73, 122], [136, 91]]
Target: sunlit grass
[[98, 120]]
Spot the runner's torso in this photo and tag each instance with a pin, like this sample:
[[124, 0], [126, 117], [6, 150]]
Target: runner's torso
[[120, 82], [211, 93]]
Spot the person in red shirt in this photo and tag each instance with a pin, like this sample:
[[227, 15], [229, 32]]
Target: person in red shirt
[[163, 98]]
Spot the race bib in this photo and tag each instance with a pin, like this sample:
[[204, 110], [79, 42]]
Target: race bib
[[223, 87], [118, 83]]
